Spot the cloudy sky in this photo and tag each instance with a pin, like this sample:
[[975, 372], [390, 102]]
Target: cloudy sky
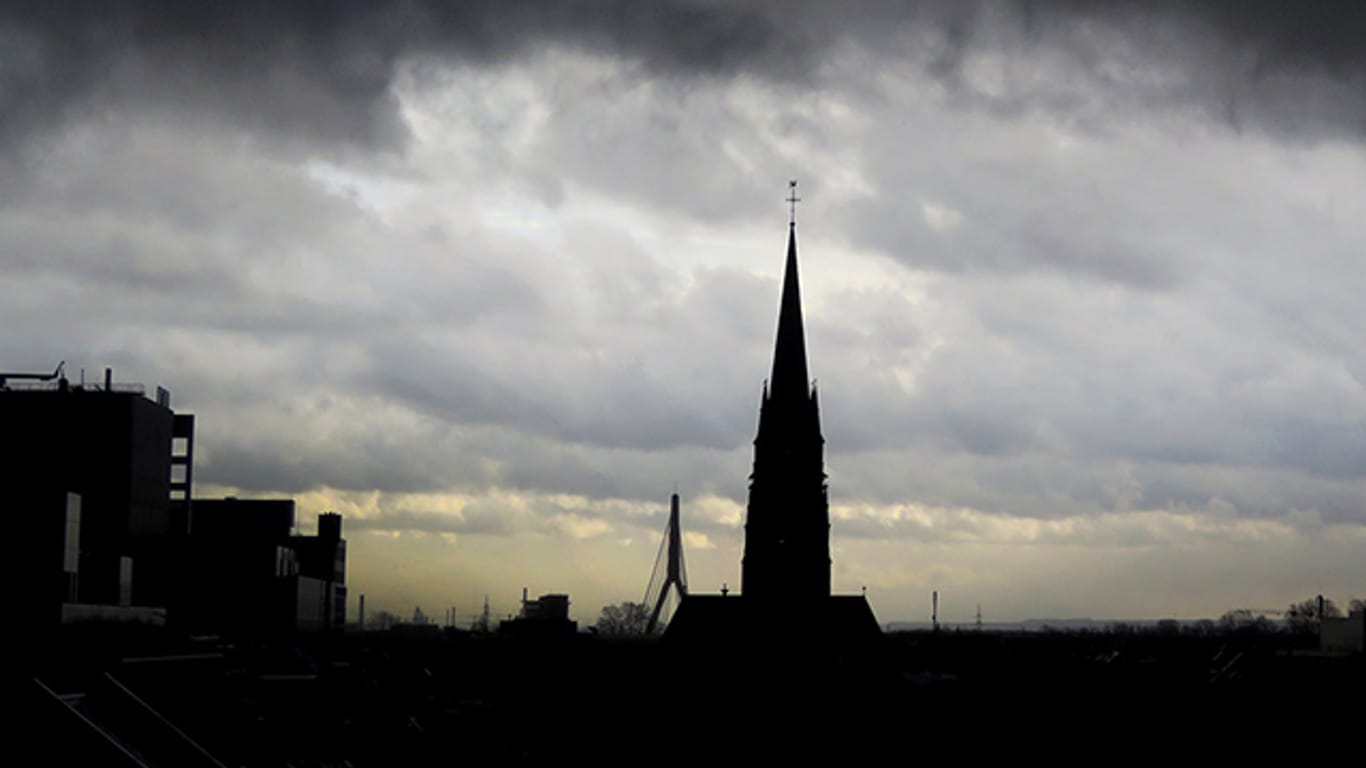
[[1084, 282]]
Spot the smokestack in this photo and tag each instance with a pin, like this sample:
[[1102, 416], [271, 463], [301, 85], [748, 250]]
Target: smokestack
[[108, 379], [934, 611], [361, 618]]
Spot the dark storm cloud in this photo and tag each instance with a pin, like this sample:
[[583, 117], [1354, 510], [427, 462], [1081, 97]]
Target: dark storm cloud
[[1320, 36], [1289, 68], [1286, 68], [322, 71]]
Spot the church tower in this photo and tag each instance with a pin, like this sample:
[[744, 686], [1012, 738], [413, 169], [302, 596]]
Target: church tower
[[785, 605], [787, 525]]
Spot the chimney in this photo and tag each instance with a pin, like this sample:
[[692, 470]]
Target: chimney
[[329, 526]]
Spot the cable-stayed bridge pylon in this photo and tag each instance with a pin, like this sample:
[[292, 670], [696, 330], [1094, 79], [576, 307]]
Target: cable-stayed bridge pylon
[[669, 570]]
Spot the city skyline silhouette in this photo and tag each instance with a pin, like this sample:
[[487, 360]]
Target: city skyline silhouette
[[358, 360]]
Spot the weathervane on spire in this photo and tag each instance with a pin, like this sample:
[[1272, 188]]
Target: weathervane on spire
[[792, 201]]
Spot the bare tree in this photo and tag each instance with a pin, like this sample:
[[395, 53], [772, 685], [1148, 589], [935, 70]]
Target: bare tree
[[1244, 621], [1305, 615], [624, 620]]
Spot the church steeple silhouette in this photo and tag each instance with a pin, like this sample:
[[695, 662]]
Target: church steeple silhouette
[[787, 527], [785, 605]]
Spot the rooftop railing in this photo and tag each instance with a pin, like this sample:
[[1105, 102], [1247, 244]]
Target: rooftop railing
[[131, 388]]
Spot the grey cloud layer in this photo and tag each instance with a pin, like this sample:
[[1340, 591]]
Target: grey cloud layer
[[1120, 323]]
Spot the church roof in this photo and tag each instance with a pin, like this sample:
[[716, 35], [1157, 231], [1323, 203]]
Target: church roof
[[837, 619]]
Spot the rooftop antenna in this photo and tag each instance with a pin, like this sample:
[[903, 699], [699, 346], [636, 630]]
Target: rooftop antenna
[[792, 201]]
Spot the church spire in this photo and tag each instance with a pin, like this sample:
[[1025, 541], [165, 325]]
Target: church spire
[[787, 526], [790, 380]]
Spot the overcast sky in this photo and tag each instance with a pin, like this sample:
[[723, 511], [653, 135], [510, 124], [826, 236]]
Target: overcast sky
[[1083, 282]]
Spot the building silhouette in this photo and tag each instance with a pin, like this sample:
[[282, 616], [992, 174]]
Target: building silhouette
[[1344, 635], [99, 486], [785, 571], [248, 572], [98, 482], [546, 616], [322, 559]]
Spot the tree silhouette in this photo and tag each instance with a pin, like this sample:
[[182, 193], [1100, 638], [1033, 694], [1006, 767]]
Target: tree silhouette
[[624, 620], [1305, 616], [1244, 621]]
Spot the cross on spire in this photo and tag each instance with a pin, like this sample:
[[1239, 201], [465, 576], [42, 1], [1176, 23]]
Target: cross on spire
[[792, 201]]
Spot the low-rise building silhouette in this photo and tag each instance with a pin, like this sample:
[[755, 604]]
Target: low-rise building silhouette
[[1344, 635], [251, 573], [546, 616]]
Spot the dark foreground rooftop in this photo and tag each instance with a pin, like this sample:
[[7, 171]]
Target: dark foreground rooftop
[[111, 696]]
